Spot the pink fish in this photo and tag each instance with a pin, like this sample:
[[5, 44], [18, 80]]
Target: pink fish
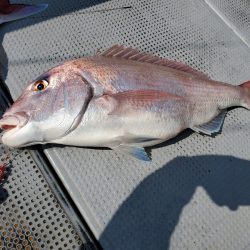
[[121, 99], [10, 12]]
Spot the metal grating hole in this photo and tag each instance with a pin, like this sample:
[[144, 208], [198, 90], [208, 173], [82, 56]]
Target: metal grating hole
[[30, 216]]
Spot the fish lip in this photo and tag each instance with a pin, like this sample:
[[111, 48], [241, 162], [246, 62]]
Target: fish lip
[[12, 121]]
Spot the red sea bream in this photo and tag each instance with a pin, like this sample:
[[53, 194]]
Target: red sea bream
[[121, 99]]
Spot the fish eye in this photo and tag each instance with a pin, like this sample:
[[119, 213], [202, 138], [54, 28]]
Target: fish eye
[[40, 85]]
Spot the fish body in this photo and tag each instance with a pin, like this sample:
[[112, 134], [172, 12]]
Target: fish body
[[10, 12], [138, 99], [122, 99]]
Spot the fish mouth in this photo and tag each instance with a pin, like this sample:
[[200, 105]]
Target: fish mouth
[[13, 121], [8, 127]]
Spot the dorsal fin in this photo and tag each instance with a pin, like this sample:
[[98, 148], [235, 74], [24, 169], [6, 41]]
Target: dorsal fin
[[135, 55]]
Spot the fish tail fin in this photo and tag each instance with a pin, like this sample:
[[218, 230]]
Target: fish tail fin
[[246, 94]]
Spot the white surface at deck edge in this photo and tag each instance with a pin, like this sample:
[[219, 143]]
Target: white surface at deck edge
[[74, 192]]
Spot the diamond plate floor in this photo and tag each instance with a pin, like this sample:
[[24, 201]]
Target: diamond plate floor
[[195, 193]]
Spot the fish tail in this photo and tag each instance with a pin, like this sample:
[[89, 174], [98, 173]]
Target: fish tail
[[246, 94]]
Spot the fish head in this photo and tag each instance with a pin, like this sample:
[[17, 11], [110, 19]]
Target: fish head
[[48, 109]]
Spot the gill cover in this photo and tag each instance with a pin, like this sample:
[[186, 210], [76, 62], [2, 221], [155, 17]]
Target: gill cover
[[75, 93]]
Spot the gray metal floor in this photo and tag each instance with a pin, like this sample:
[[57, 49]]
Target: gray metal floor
[[195, 193]]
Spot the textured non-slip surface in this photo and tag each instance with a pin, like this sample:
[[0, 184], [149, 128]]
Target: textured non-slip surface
[[236, 14], [195, 193]]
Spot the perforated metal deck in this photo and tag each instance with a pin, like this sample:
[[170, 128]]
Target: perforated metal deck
[[195, 193]]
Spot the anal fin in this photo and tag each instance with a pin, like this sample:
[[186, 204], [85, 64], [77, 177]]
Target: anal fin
[[213, 126], [136, 152]]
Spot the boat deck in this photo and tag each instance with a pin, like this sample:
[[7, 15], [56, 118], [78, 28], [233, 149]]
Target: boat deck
[[195, 194]]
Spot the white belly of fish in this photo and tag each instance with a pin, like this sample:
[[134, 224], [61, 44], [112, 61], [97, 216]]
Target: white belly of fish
[[100, 128]]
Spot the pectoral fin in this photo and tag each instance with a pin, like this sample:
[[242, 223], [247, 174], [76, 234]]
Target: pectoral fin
[[135, 99], [213, 126], [136, 152]]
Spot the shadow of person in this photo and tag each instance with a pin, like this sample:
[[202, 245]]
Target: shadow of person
[[147, 218]]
